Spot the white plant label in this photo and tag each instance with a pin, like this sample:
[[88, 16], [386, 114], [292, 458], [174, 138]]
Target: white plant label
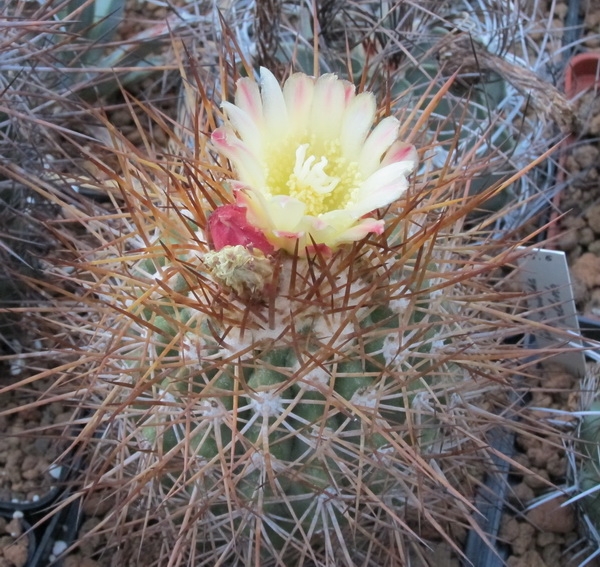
[[544, 275]]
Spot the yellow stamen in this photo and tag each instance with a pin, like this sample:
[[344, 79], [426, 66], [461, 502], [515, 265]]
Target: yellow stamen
[[312, 175], [321, 178]]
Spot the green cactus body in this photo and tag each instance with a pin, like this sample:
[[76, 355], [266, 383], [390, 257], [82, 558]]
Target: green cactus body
[[297, 414], [588, 477], [290, 417]]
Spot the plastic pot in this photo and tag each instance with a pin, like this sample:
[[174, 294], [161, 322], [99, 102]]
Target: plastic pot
[[58, 533], [60, 473], [582, 73]]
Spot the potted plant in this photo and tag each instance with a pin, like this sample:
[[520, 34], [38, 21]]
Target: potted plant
[[291, 345]]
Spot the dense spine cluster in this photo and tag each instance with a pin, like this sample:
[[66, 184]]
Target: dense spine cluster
[[292, 422]]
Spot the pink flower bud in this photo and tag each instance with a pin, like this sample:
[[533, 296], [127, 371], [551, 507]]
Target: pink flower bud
[[229, 227]]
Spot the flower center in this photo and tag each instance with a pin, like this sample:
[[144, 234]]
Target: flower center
[[318, 176], [309, 175]]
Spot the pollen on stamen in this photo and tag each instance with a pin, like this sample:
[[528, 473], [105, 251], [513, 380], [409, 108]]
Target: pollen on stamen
[[311, 173], [315, 172]]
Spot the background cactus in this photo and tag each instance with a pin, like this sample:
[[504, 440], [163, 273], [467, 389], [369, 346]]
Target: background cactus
[[588, 478], [584, 462]]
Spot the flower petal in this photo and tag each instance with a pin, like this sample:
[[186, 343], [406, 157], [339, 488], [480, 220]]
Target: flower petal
[[255, 203], [385, 186], [338, 227], [244, 125], [274, 107], [326, 228], [282, 219], [329, 103], [402, 152], [286, 213], [279, 213], [378, 142], [357, 121], [361, 229], [229, 226], [298, 93], [247, 164], [247, 97]]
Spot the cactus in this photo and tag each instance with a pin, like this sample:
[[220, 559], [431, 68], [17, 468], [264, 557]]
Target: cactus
[[264, 385], [74, 49], [502, 67], [588, 478], [294, 372], [585, 460]]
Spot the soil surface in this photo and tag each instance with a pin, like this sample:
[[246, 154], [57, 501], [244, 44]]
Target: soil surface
[[579, 200], [27, 454], [14, 543], [548, 534]]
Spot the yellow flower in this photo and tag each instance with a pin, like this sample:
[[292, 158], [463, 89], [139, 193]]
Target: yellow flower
[[310, 164]]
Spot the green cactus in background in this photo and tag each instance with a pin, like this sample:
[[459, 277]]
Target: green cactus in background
[[411, 49], [585, 462], [76, 48], [588, 477]]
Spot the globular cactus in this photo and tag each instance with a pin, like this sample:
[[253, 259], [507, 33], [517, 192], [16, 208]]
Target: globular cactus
[[588, 477], [585, 463], [303, 376]]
